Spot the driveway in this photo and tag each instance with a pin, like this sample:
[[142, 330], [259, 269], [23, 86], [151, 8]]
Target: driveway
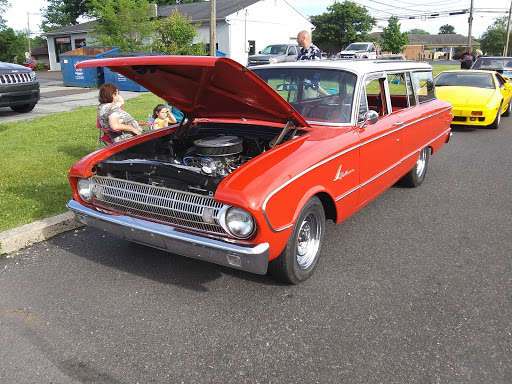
[[55, 97]]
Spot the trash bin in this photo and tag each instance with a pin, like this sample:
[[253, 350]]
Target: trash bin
[[123, 83], [87, 77]]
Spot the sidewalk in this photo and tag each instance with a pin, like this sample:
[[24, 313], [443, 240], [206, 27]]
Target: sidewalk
[[54, 98]]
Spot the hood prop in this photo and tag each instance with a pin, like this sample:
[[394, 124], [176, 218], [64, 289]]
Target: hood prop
[[275, 141]]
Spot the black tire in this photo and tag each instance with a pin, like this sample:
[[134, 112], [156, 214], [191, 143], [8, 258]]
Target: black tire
[[416, 175], [497, 120], [300, 256], [23, 108], [507, 112]]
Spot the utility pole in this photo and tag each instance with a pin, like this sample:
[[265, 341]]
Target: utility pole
[[213, 27], [505, 51], [28, 37], [470, 25]]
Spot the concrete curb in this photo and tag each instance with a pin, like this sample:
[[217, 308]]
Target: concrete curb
[[18, 238]]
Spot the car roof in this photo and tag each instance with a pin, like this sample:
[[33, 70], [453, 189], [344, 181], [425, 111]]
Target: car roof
[[358, 66]]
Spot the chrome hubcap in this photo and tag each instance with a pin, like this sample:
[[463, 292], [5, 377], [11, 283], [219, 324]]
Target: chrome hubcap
[[308, 241], [422, 162]]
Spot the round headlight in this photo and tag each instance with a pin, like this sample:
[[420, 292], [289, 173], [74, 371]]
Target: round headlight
[[239, 223], [84, 190]]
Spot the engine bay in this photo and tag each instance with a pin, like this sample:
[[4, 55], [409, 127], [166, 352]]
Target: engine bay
[[196, 161]]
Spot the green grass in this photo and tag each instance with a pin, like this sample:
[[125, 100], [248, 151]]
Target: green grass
[[36, 155]]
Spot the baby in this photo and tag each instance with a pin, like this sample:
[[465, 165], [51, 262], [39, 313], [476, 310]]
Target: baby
[[162, 117]]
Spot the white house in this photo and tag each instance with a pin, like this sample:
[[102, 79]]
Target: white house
[[244, 27]]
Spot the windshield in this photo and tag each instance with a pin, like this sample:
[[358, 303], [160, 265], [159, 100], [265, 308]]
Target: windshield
[[274, 50], [319, 95], [465, 79], [357, 47], [490, 63]]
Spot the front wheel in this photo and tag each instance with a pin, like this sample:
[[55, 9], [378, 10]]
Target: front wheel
[[416, 175], [23, 108], [507, 112], [497, 120], [300, 256]]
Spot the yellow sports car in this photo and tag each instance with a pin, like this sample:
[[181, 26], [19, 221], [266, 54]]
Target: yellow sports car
[[478, 97]]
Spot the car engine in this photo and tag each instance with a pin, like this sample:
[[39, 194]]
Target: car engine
[[197, 162]]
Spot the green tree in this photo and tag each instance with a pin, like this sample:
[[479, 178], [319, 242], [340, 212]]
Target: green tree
[[342, 24], [4, 4], [63, 13], [447, 29], [14, 44], [417, 31], [175, 36], [393, 40], [494, 38], [123, 23]]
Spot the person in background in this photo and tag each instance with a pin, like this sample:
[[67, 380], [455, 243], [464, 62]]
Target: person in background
[[112, 117], [467, 59], [162, 117], [308, 51]]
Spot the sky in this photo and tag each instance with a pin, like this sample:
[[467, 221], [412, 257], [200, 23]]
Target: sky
[[422, 11]]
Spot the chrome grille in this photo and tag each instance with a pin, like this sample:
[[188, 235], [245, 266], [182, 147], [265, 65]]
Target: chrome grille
[[15, 78], [155, 203]]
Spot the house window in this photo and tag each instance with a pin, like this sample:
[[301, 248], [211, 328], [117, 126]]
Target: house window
[[79, 43], [62, 45]]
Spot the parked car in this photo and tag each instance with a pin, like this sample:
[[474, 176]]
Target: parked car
[[479, 97], [32, 64], [262, 158], [500, 64], [275, 53], [361, 50], [19, 88]]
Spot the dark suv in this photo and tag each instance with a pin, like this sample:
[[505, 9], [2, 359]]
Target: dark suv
[[19, 88]]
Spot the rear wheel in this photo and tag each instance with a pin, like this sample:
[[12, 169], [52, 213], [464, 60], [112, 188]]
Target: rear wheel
[[497, 120], [23, 108], [300, 256], [416, 175]]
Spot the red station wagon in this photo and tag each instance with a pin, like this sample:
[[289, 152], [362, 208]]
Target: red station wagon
[[262, 158]]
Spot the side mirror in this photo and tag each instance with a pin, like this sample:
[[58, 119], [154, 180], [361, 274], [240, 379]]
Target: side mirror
[[368, 117]]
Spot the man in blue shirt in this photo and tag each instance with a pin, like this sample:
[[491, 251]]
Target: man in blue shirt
[[308, 51]]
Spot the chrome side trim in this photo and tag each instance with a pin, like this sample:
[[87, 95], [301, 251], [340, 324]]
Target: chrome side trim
[[234, 254], [271, 194], [390, 168]]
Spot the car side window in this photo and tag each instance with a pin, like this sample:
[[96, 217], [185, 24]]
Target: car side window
[[292, 51], [424, 86], [397, 91], [376, 96], [501, 81]]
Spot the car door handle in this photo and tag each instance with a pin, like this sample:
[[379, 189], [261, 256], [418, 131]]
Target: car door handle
[[399, 124]]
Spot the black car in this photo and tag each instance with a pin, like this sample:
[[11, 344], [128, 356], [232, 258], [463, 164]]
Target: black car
[[19, 88]]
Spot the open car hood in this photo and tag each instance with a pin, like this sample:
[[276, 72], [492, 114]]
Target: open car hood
[[204, 86]]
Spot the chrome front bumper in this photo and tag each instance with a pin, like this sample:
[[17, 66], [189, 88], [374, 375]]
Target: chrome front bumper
[[247, 257]]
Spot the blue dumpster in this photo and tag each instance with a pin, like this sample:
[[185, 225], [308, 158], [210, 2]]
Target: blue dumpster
[[87, 77], [123, 83]]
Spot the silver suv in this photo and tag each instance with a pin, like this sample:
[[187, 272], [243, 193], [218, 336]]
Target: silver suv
[[19, 88], [275, 53]]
